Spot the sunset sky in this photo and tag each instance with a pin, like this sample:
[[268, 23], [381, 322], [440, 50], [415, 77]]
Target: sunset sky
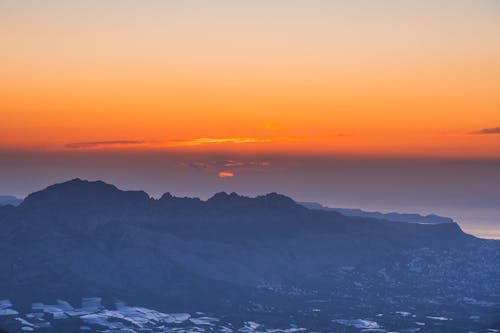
[[374, 77], [260, 86]]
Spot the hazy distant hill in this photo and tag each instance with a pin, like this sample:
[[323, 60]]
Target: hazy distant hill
[[397, 217], [9, 200], [265, 258]]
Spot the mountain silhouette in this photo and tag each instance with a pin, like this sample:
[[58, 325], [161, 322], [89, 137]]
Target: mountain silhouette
[[9, 200], [83, 239], [396, 217]]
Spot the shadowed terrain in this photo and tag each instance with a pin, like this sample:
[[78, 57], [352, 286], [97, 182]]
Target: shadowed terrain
[[266, 258]]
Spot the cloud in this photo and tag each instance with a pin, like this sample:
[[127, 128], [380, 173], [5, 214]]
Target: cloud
[[226, 174], [211, 165], [196, 165], [495, 130], [159, 144], [232, 164], [247, 165], [203, 141], [162, 144], [230, 167], [103, 144]]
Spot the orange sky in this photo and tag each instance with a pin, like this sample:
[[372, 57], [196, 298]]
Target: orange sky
[[381, 78]]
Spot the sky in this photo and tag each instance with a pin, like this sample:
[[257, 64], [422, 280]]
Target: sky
[[379, 104]]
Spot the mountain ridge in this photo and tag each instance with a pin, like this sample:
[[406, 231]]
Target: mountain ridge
[[85, 239], [392, 216], [85, 192], [80, 199]]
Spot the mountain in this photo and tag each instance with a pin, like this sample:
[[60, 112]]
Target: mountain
[[250, 264], [396, 217], [9, 200]]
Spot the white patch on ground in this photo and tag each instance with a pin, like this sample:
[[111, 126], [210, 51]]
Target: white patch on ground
[[138, 316], [204, 320], [91, 304], [143, 316], [8, 312], [403, 313], [102, 319], [24, 322], [250, 326], [38, 315], [358, 323], [438, 318], [5, 304], [58, 311]]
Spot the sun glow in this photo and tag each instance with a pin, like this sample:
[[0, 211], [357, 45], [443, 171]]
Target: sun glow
[[226, 174]]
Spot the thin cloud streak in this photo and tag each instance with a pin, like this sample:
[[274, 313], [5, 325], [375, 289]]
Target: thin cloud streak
[[212, 165], [103, 144], [203, 141], [495, 130], [176, 142]]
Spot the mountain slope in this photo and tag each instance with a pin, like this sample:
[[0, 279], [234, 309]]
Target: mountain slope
[[9, 200], [396, 217], [83, 239]]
